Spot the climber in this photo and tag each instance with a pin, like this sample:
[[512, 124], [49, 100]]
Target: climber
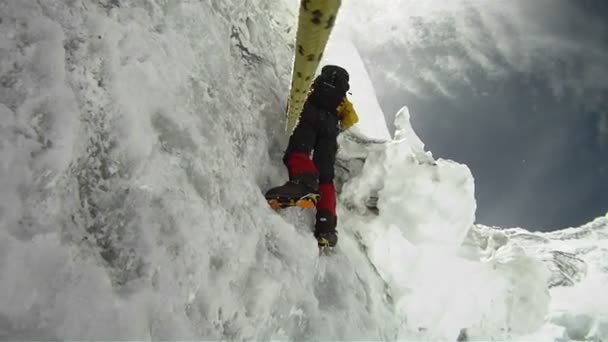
[[326, 113]]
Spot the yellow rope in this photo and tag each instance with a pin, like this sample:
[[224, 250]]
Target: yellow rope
[[315, 23]]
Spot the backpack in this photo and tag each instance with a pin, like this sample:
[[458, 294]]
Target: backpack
[[329, 88]]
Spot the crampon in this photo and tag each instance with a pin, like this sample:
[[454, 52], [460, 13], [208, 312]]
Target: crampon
[[308, 201]]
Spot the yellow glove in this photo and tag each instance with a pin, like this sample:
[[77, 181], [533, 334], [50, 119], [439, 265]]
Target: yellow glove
[[346, 113]]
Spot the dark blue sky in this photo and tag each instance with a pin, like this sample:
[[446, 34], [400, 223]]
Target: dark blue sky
[[537, 159], [521, 99]]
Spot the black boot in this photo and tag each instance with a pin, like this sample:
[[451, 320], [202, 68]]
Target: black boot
[[325, 228], [301, 190]]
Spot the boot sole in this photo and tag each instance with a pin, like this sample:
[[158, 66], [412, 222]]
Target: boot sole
[[307, 202]]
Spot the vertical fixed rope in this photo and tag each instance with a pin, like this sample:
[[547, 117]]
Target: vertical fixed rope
[[315, 22]]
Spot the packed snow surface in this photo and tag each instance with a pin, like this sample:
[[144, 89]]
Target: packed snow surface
[[136, 139]]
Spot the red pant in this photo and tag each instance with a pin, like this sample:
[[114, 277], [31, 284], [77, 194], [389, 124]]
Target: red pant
[[298, 163]]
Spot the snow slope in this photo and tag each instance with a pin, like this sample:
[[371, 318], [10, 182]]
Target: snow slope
[[577, 259], [341, 51], [136, 139]]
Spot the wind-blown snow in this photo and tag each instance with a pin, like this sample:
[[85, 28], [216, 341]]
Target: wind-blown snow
[[136, 139]]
